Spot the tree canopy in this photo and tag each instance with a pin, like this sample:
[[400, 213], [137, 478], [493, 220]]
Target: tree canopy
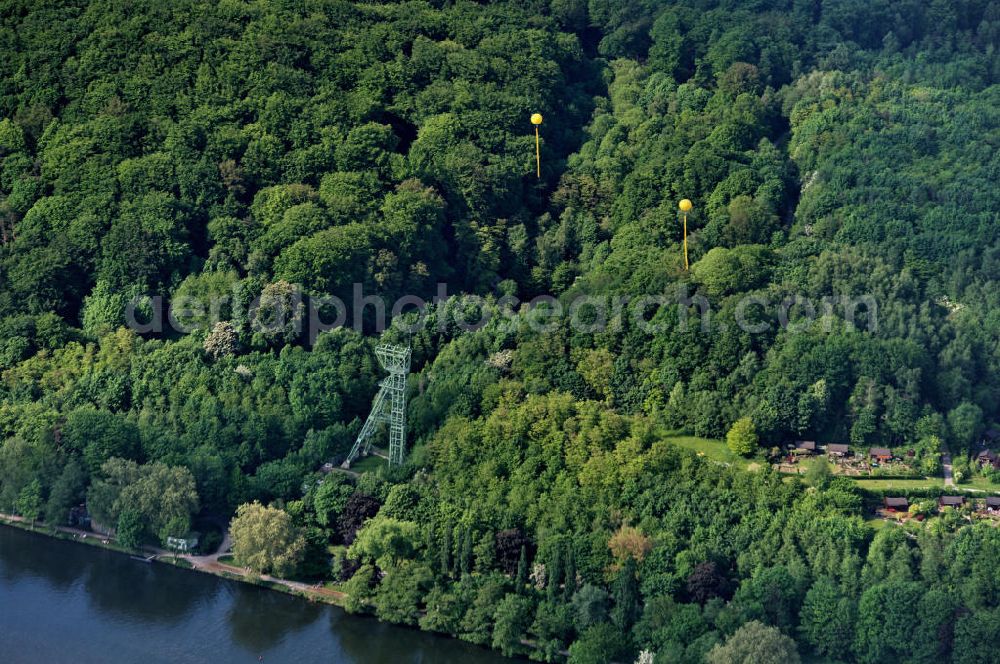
[[185, 186]]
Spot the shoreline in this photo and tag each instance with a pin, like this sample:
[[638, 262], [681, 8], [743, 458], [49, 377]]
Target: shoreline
[[203, 564]]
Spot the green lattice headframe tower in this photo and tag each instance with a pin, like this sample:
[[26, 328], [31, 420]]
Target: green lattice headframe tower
[[389, 406]]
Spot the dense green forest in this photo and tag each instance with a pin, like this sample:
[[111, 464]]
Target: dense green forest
[[266, 154]]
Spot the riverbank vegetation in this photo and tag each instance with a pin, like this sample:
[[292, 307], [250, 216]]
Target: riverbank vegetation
[[840, 155]]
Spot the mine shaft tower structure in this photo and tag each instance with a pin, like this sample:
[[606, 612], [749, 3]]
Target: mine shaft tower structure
[[389, 407]]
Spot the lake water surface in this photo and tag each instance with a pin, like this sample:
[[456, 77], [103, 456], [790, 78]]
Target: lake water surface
[[67, 602]]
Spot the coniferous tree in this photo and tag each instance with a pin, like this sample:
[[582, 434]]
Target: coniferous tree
[[522, 570], [445, 555], [466, 554], [569, 583], [626, 597], [554, 573]]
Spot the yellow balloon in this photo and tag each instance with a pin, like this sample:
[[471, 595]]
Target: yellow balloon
[[685, 205], [536, 118]]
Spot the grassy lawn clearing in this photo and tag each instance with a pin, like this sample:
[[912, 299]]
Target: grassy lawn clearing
[[716, 450], [368, 464], [981, 483], [876, 483]]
